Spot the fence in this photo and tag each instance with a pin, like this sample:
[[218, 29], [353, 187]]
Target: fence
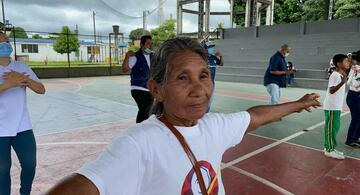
[[69, 54]]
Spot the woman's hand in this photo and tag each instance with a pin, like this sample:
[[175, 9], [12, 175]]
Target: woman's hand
[[14, 79]]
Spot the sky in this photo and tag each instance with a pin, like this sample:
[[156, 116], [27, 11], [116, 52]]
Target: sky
[[51, 15]]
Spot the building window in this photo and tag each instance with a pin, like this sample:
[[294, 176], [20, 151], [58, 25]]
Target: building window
[[29, 48]]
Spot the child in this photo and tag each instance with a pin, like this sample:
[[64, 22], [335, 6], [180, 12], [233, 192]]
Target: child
[[333, 104], [290, 77], [15, 127]]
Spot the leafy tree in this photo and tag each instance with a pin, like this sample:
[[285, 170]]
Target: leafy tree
[[287, 11], [347, 8], [37, 36], [164, 32], [313, 10], [220, 25], [239, 10], [19, 33], [138, 33], [66, 42]]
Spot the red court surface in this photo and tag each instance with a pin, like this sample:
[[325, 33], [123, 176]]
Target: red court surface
[[78, 117], [295, 169], [282, 169]]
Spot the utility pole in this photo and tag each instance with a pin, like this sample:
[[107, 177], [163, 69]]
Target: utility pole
[[3, 11], [145, 12], [94, 27], [94, 48], [160, 12]]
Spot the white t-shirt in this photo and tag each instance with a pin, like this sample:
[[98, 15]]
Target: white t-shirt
[[14, 114], [334, 101], [132, 62], [148, 159]]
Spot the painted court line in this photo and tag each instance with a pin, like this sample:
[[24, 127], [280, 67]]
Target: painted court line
[[73, 143], [298, 145], [90, 126], [260, 150], [102, 99], [262, 180]]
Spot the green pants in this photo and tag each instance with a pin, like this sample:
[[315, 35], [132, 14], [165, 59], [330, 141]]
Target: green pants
[[332, 127]]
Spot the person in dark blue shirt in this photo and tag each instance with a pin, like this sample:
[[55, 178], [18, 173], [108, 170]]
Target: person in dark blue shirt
[[275, 75], [139, 63], [214, 59]]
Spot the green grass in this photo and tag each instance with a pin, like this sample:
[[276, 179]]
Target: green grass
[[59, 64]]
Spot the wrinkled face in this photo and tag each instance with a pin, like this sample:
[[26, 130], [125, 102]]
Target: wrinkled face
[[187, 92]]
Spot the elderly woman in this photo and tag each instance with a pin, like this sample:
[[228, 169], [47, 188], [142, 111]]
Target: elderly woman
[[178, 150]]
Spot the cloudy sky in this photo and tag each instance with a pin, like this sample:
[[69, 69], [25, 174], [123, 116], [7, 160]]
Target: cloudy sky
[[51, 15]]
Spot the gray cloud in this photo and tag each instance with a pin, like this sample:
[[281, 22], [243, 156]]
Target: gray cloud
[[51, 15]]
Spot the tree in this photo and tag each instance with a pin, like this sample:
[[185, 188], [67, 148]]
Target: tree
[[37, 36], [138, 33], [19, 33], [239, 12], [313, 10], [164, 32], [220, 25], [287, 11], [66, 42], [347, 8]]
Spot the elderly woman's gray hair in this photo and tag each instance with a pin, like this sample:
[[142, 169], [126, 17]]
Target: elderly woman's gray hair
[[160, 64]]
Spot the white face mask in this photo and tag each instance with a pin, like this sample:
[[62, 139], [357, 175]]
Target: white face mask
[[287, 54], [148, 51]]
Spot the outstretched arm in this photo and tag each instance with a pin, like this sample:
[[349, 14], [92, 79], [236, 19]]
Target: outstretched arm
[[74, 184], [262, 115]]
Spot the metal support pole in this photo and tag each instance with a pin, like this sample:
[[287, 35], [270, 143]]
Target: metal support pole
[[179, 18], [201, 19], [207, 17], [14, 37]]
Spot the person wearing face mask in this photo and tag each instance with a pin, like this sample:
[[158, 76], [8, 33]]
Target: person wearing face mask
[[275, 75], [15, 127], [139, 63], [214, 59]]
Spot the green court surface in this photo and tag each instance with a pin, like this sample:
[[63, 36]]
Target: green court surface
[[80, 102]]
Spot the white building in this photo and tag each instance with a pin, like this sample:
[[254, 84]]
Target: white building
[[42, 49]]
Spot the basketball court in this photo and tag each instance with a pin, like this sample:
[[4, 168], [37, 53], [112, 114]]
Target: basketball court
[[78, 117]]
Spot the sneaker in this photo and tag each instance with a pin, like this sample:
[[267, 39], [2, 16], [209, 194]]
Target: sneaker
[[341, 153], [353, 145], [334, 154]]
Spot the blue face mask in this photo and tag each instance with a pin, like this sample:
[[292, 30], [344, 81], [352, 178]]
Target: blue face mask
[[211, 51], [5, 50]]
